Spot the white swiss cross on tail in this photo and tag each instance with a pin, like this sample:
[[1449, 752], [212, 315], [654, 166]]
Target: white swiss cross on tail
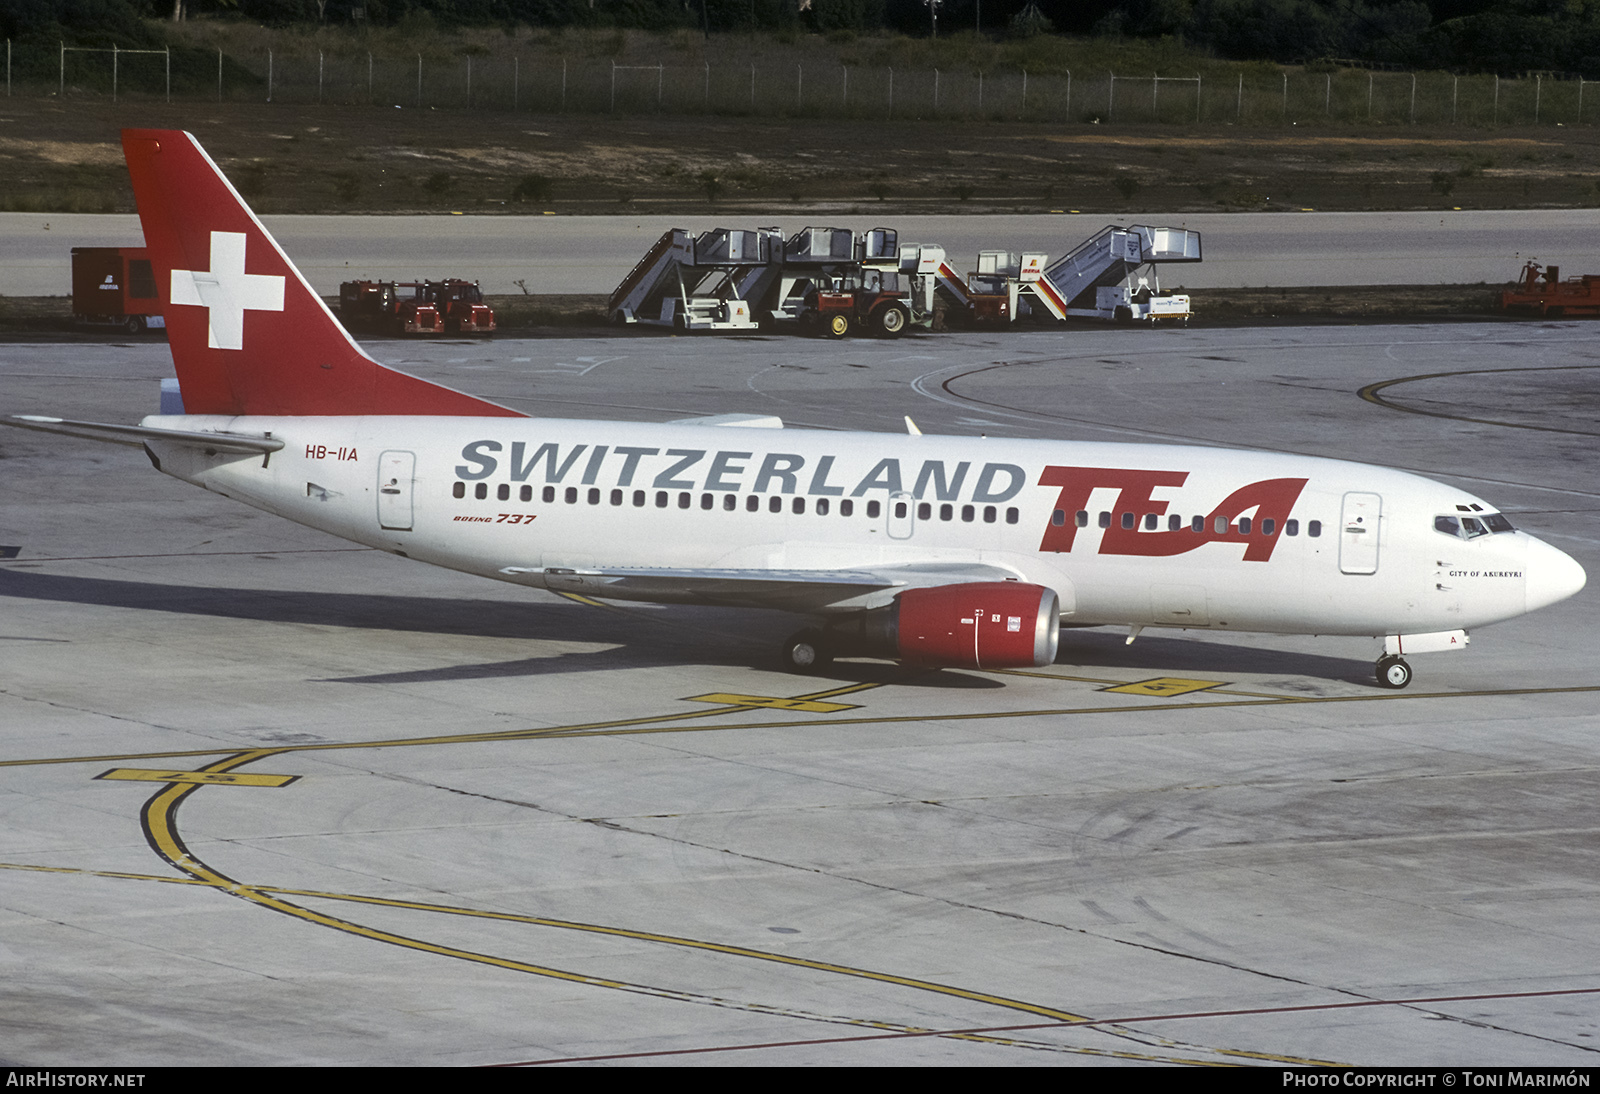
[[227, 290]]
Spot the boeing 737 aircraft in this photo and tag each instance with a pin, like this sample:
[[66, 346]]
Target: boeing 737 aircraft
[[934, 550]]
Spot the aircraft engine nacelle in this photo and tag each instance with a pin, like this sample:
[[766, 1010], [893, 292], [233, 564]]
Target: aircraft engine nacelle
[[984, 625]]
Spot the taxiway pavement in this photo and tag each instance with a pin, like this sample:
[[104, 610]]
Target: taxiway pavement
[[559, 254], [429, 819]]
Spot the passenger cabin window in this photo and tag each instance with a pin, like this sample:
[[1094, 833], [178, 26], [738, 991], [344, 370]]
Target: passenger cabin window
[[1314, 529], [549, 493], [526, 493], [504, 492], [481, 491], [1291, 528], [459, 490], [873, 509]]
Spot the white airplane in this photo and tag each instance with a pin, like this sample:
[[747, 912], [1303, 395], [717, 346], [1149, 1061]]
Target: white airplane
[[948, 551]]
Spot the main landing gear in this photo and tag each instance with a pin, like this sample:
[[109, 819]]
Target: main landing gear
[[807, 652], [1393, 672]]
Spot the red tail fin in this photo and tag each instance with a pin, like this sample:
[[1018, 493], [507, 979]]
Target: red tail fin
[[248, 335]]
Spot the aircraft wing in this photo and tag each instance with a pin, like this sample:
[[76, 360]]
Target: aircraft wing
[[788, 590], [137, 435]]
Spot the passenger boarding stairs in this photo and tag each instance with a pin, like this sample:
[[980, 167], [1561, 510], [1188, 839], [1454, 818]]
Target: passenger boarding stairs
[[1093, 280], [707, 282]]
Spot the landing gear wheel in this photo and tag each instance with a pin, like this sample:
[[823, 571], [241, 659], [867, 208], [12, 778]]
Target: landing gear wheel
[[891, 320], [133, 324], [837, 325], [806, 652], [1393, 672]]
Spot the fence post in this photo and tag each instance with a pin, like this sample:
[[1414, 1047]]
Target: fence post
[[1538, 90], [1111, 94], [114, 77], [1069, 95], [891, 92], [169, 73], [319, 76], [1024, 91], [752, 88], [1369, 96], [563, 84], [516, 80], [63, 92], [613, 87], [369, 77], [1238, 111], [980, 93], [844, 95], [1286, 96], [659, 80], [1455, 92], [269, 75], [8, 83], [1155, 100], [219, 74], [8, 78], [1197, 98], [799, 88], [1327, 95], [419, 81], [708, 87], [936, 93], [469, 81], [1413, 98]]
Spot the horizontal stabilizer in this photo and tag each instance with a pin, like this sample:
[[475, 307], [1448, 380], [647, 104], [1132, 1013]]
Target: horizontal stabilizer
[[137, 435]]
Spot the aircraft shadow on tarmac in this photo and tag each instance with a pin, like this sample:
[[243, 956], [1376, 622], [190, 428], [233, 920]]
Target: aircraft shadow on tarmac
[[653, 638]]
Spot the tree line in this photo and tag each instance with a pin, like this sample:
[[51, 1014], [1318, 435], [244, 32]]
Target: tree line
[[1505, 36]]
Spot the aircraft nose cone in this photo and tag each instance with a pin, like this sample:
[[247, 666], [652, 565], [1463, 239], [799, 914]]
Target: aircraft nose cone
[[1550, 575]]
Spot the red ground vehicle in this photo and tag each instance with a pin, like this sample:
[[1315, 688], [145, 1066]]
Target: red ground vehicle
[[1551, 296], [461, 305], [396, 307], [114, 286], [872, 301]]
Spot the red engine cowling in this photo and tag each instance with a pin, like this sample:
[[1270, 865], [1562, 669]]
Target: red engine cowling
[[984, 625]]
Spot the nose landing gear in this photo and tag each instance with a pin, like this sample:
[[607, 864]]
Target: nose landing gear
[[1393, 672]]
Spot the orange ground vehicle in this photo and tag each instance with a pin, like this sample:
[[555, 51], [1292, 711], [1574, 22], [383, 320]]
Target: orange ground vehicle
[[460, 304], [1549, 295], [844, 305], [394, 307]]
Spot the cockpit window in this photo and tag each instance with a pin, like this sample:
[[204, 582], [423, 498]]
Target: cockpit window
[[1465, 527]]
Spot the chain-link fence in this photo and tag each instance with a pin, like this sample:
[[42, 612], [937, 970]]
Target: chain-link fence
[[541, 83]]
